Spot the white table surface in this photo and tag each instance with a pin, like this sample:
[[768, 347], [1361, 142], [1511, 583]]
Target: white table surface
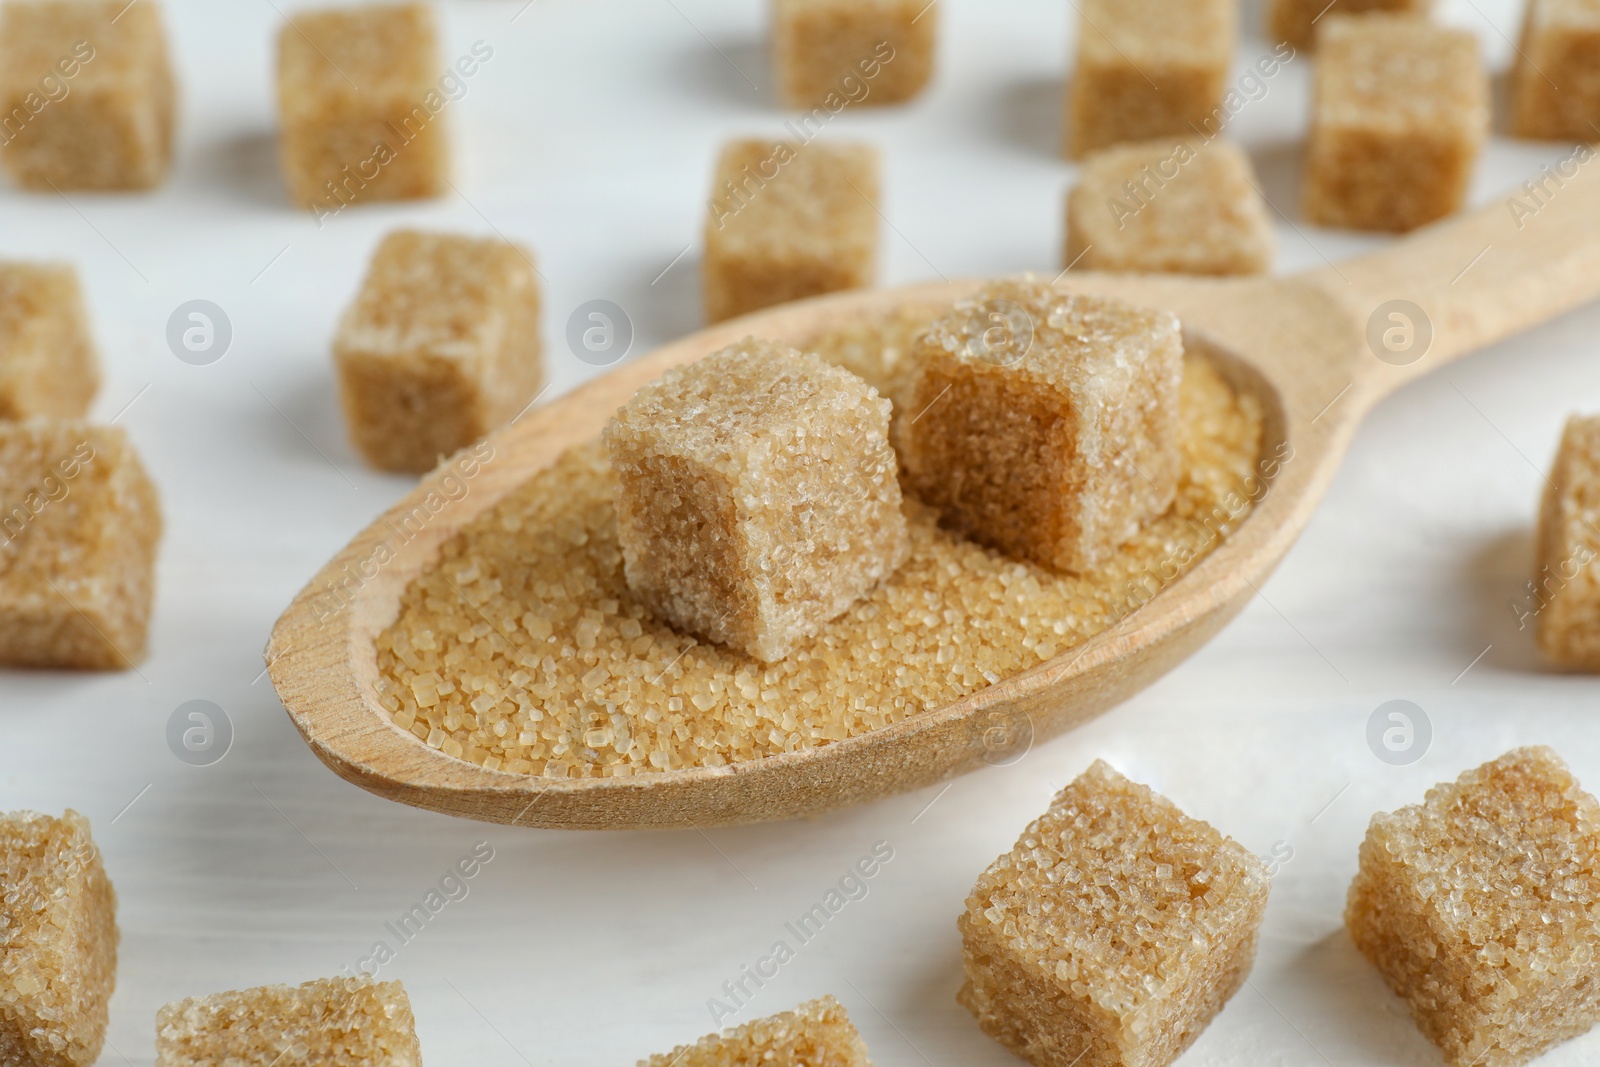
[[590, 134]]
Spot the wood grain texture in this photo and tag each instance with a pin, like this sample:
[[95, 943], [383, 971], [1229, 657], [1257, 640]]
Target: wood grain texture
[[1299, 342]]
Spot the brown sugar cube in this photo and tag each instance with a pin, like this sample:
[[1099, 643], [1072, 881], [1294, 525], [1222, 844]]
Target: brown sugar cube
[[440, 347], [58, 942], [86, 94], [1555, 78], [1567, 587], [1148, 68], [1172, 205], [788, 221], [1113, 932], [757, 496], [47, 358], [1401, 110], [78, 540], [834, 54], [354, 1022], [1297, 21], [816, 1034], [1481, 909], [361, 108], [1046, 425]]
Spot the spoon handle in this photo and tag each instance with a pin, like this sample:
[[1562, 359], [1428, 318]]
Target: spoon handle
[[1474, 279]]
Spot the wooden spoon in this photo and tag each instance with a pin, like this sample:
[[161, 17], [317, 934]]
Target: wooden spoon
[[1309, 345]]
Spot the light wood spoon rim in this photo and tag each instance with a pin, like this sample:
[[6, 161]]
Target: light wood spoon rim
[[1299, 342]]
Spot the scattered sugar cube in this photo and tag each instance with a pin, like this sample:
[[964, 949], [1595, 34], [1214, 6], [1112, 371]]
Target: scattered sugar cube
[[361, 107], [1567, 587], [86, 94], [1174, 205], [757, 496], [1148, 68], [1479, 907], [347, 1021], [1554, 92], [834, 54], [1401, 110], [1046, 425], [789, 220], [58, 941], [1297, 21], [78, 535], [440, 346], [1113, 932], [47, 358], [816, 1034]]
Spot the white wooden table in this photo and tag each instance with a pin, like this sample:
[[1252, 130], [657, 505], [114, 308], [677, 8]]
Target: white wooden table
[[590, 134]]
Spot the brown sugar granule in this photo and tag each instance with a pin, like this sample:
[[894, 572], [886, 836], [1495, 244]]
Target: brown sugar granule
[[1169, 205], [86, 94], [880, 351], [58, 942], [1567, 587], [1113, 932], [440, 346], [1481, 908], [348, 1022], [48, 365], [1297, 21], [523, 649], [786, 221], [834, 54], [816, 1034], [757, 496], [1047, 424], [1400, 113], [1148, 68], [1555, 77], [79, 522], [360, 103]]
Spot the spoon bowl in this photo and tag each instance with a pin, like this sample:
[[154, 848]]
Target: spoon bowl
[[1317, 349]]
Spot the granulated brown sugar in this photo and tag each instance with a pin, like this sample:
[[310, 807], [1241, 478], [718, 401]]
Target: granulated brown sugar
[[1175, 204], [353, 89], [58, 941], [757, 496], [1478, 908], [860, 52], [1147, 68], [1113, 932], [1046, 423], [1568, 579], [816, 1034], [787, 221], [330, 1020], [110, 59], [439, 347], [1554, 94], [79, 524], [1400, 110], [48, 365], [521, 649]]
